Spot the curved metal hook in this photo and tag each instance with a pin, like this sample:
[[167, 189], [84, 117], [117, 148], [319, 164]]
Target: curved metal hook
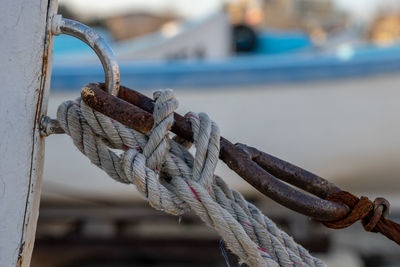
[[96, 42]]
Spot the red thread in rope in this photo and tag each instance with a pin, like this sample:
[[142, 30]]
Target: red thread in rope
[[193, 116], [194, 191]]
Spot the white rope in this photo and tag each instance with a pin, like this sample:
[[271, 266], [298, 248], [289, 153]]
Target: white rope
[[174, 181]]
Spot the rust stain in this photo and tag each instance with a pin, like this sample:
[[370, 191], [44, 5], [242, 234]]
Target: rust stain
[[116, 108], [35, 136], [86, 91], [266, 173], [20, 257]]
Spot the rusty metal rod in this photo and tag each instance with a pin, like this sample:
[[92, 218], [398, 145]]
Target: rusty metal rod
[[254, 167], [181, 126], [118, 109], [284, 170], [292, 174], [240, 160]]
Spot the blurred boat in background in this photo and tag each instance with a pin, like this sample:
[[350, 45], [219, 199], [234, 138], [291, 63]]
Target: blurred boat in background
[[260, 73], [210, 53]]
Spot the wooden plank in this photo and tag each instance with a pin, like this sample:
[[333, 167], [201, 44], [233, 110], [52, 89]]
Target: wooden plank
[[25, 73]]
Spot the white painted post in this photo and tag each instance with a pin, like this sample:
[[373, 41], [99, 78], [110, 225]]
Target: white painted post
[[25, 69]]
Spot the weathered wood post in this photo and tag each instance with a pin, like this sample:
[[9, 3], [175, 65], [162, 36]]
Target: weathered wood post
[[25, 69]]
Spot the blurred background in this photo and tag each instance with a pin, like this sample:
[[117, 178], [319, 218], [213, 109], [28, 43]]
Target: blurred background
[[314, 82]]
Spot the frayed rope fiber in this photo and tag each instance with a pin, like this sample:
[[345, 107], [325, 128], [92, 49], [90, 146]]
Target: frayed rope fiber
[[175, 181]]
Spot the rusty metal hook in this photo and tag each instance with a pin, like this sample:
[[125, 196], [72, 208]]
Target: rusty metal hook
[[265, 172]]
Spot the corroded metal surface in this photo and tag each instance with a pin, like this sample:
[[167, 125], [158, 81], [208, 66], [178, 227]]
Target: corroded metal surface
[[116, 108], [292, 174], [262, 171], [240, 160], [181, 126]]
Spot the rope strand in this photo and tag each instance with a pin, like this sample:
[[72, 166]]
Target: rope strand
[[174, 181]]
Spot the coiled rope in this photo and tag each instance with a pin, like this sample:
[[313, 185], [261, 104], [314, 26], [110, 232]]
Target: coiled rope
[[172, 180]]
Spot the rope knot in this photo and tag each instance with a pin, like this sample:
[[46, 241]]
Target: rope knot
[[370, 213], [175, 181]]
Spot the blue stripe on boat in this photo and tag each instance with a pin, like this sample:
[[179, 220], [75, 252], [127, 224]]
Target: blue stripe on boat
[[245, 70]]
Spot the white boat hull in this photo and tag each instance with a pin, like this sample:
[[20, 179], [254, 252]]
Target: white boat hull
[[346, 131]]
